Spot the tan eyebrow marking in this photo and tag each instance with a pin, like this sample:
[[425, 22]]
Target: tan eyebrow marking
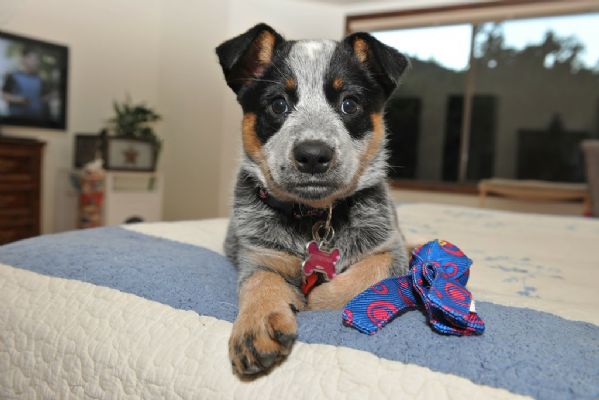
[[337, 83], [290, 84]]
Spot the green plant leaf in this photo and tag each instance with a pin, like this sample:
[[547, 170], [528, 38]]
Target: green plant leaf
[[134, 120]]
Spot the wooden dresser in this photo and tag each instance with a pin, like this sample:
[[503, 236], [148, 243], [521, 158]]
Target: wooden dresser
[[20, 188]]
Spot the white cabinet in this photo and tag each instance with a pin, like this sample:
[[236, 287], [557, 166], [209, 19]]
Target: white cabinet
[[114, 198], [132, 196]]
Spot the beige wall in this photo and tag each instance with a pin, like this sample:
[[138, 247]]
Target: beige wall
[[112, 52], [202, 119], [191, 96], [162, 51], [366, 7]]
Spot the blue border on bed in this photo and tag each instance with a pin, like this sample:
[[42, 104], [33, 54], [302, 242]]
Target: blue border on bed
[[524, 351]]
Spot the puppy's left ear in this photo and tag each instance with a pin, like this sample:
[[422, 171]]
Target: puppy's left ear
[[384, 63], [247, 56]]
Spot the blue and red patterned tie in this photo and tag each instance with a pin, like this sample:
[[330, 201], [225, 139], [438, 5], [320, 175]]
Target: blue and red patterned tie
[[436, 284]]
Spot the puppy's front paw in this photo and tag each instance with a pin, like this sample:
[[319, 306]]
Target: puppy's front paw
[[338, 292], [260, 338]]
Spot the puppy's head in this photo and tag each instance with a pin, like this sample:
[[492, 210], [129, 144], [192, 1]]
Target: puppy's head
[[313, 111]]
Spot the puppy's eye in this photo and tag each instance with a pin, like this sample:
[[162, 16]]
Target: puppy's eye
[[349, 106], [279, 106]]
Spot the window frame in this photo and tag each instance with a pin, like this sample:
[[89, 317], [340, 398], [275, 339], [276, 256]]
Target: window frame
[[461, 13]]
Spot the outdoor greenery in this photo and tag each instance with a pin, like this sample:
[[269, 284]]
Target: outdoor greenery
[[530, 108]]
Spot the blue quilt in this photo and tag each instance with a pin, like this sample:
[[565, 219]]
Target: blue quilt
[[524, 351]]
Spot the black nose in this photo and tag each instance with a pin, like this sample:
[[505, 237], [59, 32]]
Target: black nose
[[312, 157]]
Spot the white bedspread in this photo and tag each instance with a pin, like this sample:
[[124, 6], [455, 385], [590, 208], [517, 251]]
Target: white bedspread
[[68, 338]]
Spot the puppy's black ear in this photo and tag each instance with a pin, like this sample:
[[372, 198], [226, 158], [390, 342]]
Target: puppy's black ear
[[384, 63], [246, 57]]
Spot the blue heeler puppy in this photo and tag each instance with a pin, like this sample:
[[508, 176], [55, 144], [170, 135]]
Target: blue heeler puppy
[[314, 168]]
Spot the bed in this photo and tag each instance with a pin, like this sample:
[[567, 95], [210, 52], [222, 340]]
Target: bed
[[145, 311]]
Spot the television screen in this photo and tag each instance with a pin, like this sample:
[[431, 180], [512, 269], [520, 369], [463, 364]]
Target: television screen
[[33, 82]]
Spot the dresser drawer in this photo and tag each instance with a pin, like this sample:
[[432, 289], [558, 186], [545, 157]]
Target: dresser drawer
[[16, 218], [20, 187], [18, 168], [17, 199], [8, 235]]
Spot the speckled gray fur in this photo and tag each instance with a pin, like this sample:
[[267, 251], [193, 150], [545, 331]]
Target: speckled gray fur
[[368, 223]]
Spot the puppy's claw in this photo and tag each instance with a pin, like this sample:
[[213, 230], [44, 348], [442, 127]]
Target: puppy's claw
[[256, 344], [286, 340]]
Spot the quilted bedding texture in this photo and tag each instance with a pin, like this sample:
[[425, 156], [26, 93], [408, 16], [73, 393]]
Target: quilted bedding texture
[[144, 311]]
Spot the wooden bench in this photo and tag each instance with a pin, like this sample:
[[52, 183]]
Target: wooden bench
[[532, 190]]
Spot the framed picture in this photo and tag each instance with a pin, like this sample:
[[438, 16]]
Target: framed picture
[[88, 147], [33, 82], [128, 154]]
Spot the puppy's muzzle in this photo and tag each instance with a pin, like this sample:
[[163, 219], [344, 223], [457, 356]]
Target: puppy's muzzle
[[312, 157]]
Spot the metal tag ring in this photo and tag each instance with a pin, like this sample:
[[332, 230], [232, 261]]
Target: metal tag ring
[[329, 232]]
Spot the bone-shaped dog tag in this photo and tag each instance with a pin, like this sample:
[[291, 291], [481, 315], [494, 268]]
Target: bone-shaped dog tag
[[318, 267]]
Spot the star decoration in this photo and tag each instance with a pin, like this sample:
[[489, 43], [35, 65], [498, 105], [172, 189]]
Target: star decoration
[[131, 155]]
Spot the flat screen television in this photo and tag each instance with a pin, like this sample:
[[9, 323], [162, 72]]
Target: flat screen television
[[33, 82]]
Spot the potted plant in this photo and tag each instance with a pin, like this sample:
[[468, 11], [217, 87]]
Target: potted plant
[[132, 122]]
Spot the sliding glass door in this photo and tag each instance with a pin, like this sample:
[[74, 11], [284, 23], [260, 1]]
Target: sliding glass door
[[510, 99]]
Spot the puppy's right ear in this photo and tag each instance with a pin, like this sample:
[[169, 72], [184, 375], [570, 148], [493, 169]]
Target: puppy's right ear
[[246, 57]]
